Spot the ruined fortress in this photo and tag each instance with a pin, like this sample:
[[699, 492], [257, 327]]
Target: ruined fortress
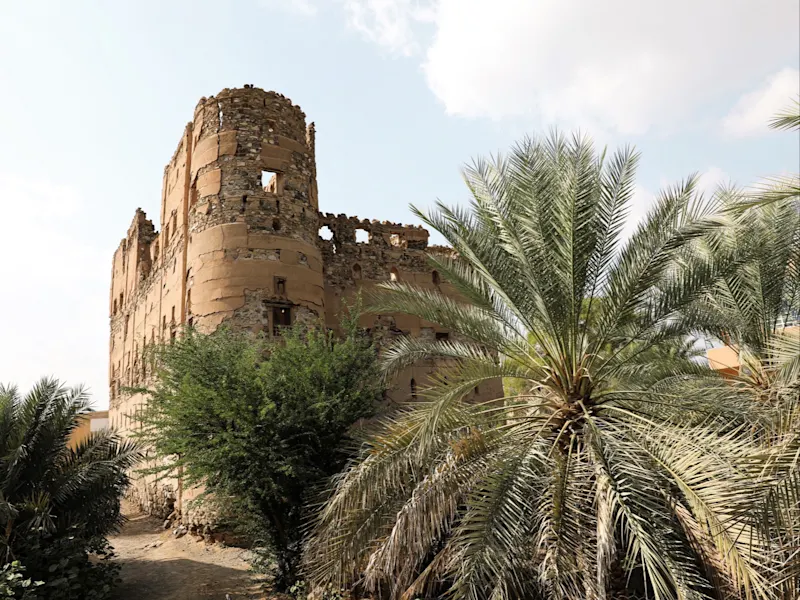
[[243, 242]]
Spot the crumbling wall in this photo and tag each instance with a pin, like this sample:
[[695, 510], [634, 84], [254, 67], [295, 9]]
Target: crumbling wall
[[240, 245], [391, 251], [253, 217]]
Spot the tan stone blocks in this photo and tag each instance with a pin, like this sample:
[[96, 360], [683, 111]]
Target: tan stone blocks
[[208, 184], [274, 157], [290, 144]]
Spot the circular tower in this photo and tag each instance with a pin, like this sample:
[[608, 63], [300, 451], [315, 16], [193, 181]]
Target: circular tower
[[252, 255]]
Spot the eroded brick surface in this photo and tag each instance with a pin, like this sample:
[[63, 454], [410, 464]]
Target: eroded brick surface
[[240, 243]]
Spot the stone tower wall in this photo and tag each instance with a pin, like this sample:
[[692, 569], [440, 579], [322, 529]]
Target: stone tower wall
[[240, 245], [252, 250]]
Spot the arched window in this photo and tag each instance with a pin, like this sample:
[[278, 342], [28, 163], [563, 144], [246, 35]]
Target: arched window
[[276, 224], [356, 271], [413, 389], [435, 278], [394, 275], [114, 311]]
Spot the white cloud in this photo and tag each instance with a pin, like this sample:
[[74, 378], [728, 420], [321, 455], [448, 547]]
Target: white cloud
[[305, 8], [390, 23], [711, 179], [53, 305], [621, 66], [752, 113]]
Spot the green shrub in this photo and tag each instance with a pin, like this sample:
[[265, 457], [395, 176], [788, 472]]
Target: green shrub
[[13, 585], [259, 423]]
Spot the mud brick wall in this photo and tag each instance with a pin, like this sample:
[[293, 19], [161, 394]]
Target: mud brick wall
[[243, 243]]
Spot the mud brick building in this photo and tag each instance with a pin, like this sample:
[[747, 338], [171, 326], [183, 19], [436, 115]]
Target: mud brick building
[[243, 242]]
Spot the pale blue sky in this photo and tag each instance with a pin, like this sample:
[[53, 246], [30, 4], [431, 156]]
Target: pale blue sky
[[94, 97]]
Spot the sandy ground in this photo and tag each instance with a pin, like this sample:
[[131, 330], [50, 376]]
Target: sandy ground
[[157, 566]]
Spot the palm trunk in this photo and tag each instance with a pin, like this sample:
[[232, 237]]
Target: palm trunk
[[606, 544]]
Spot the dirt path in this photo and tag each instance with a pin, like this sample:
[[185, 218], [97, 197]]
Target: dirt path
[[157, 566]]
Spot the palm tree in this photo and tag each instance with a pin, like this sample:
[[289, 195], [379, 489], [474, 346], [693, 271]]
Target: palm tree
[[789, 118], [755, 311], [48, 490], [593, 475]]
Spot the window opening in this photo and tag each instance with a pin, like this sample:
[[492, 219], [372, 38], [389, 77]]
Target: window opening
[[280, 286], [356, 271], [281, 318], [362, 236], [394, 275], [272, 181], [413, 389]]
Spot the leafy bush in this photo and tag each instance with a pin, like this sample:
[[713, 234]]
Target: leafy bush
[[57, 503], [13, 585], [260, 422]]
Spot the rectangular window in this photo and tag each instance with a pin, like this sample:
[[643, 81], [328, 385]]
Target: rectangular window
[[280, 286], [272, 182], [442, 336], [281, 317]]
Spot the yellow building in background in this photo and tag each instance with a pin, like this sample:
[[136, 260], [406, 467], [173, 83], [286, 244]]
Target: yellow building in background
[[88, 423], [726, 358]]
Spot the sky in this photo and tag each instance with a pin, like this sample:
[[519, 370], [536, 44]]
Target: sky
[[94, 97]]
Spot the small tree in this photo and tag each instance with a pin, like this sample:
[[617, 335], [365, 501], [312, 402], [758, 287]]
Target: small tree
[[259, 422]]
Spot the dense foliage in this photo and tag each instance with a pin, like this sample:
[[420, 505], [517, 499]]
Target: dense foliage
[[57, 503], [620, 465], [260, 422]]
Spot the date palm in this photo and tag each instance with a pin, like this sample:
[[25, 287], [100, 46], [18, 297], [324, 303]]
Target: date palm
[[47, 489], [598, 472], [754, 310]]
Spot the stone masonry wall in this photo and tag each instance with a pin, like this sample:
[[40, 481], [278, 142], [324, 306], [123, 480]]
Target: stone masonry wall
[[240, 244]]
